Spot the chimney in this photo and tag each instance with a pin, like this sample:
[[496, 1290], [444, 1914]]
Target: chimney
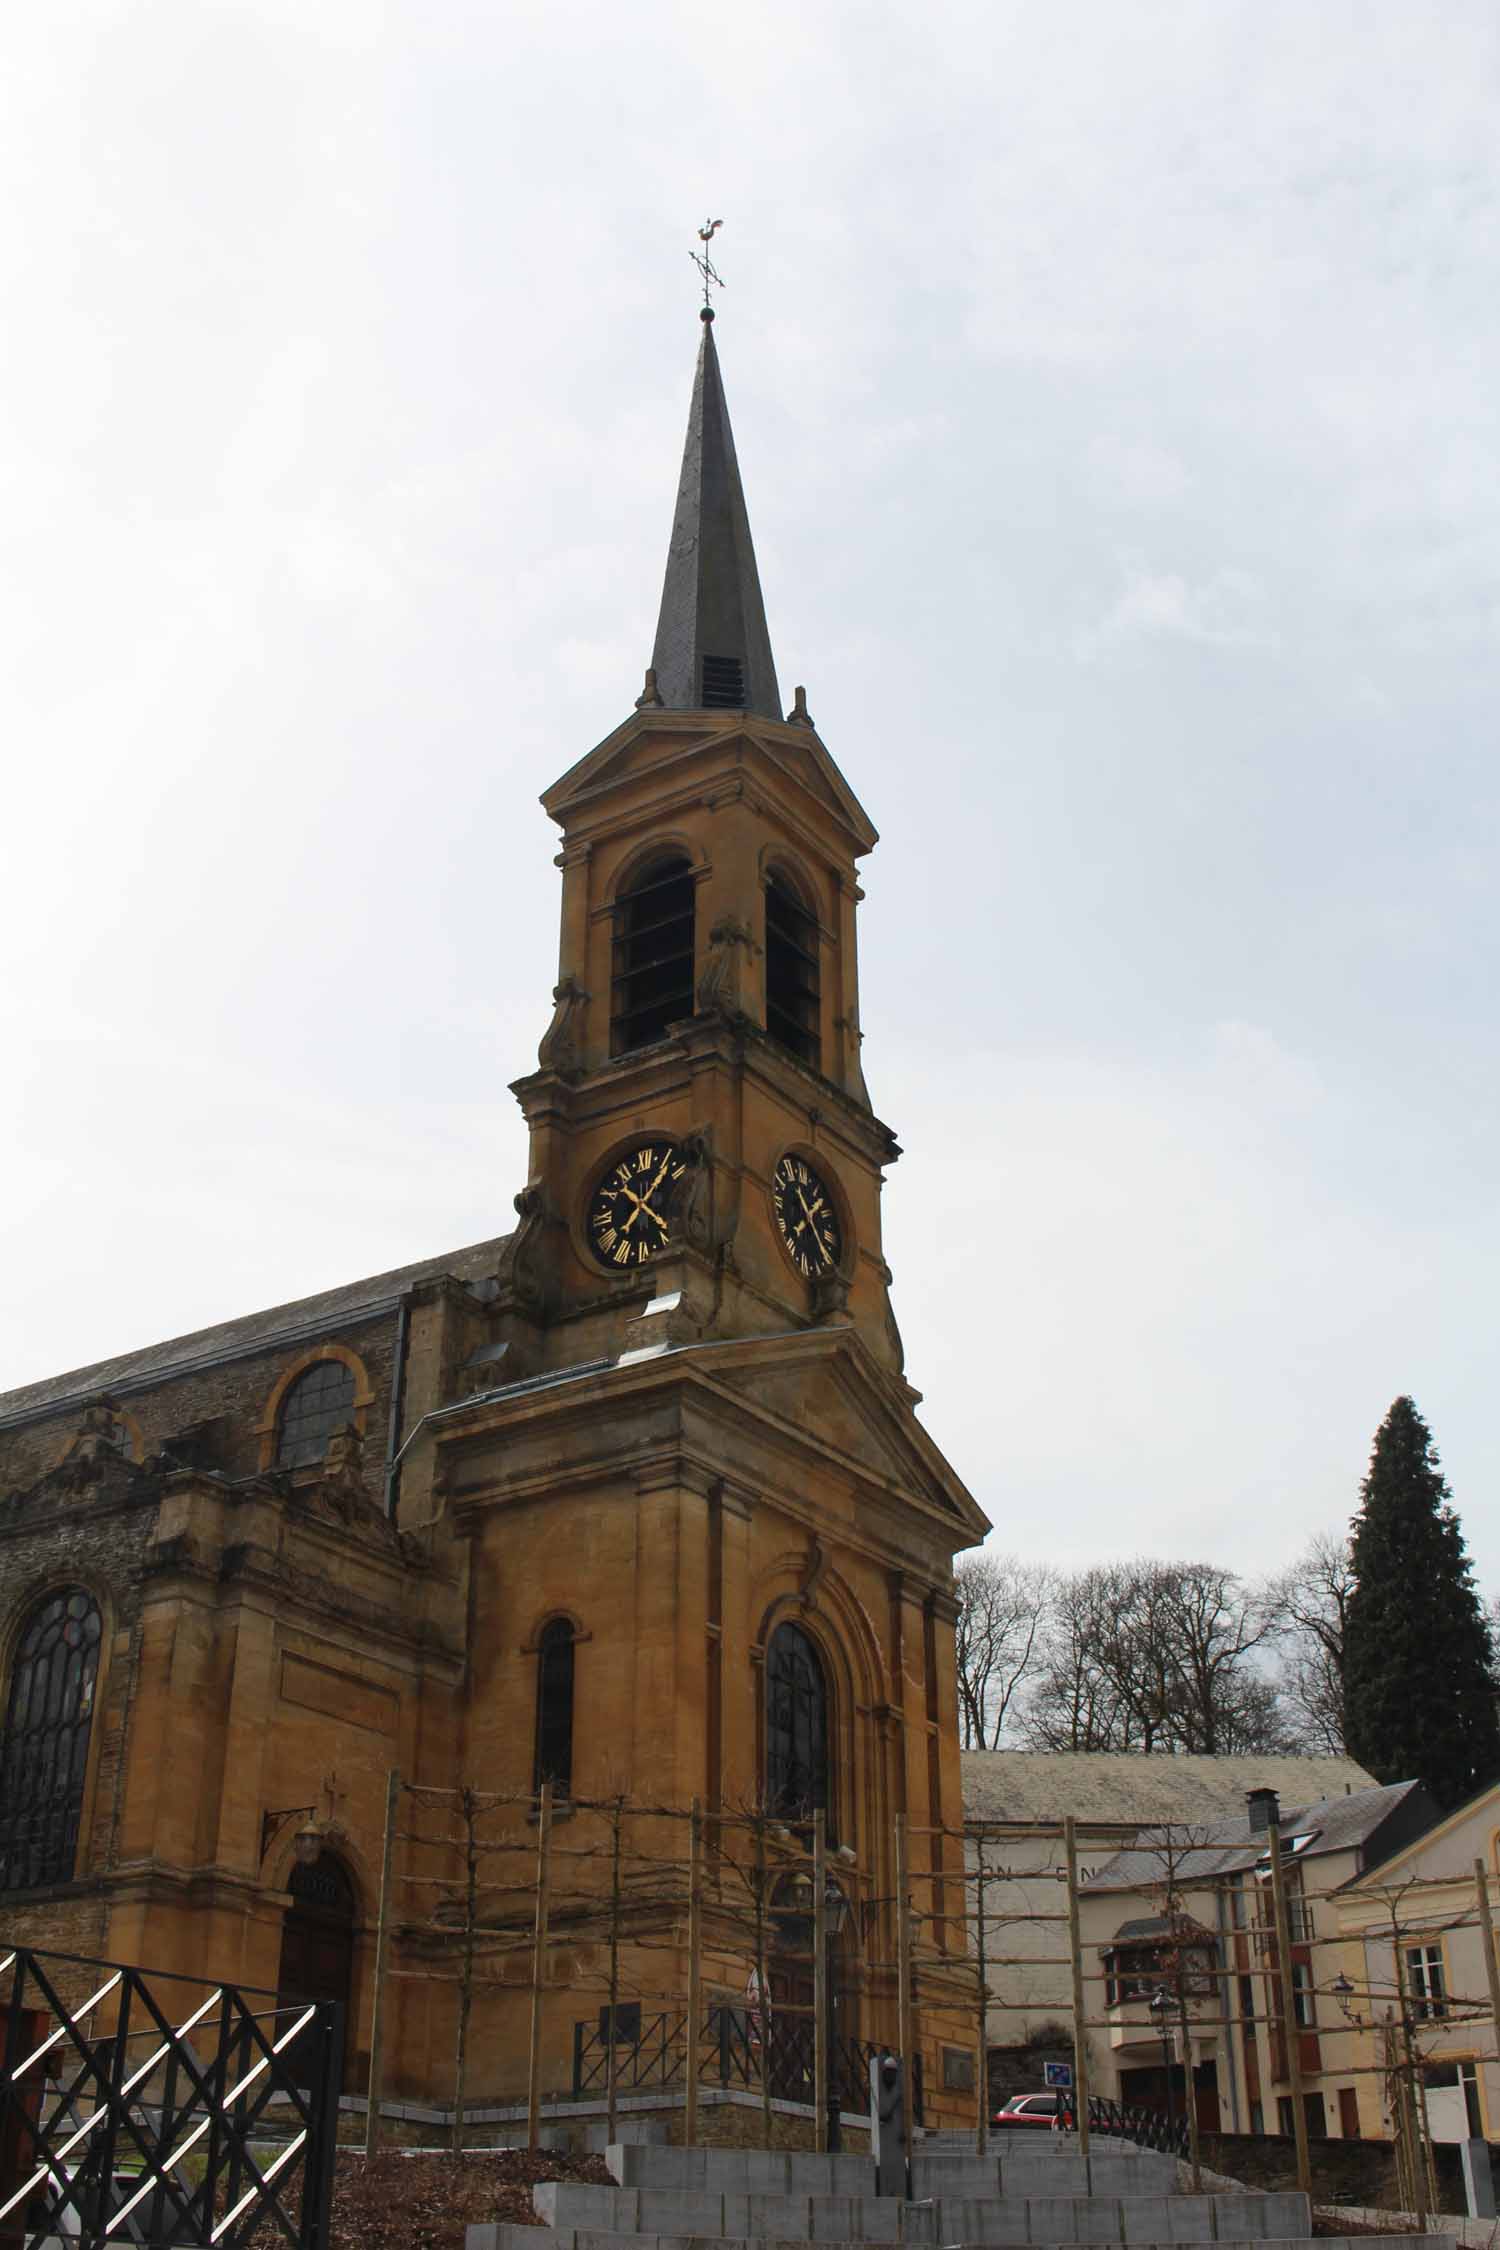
[[1264, 1808]]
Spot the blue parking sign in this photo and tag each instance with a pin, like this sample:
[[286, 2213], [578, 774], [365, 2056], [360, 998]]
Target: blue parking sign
[[1059, 2075]]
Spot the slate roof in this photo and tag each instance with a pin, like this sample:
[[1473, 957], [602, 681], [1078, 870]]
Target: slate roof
[[1128, 1788], [304, 1318], [711, 603], [1333, 1824]]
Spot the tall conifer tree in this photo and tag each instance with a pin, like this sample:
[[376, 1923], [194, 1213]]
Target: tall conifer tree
[[1419, 1691]]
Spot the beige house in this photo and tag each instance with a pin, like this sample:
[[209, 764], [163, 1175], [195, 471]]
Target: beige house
[[1114, 1797], [1187, 1907], [1408, 1939]]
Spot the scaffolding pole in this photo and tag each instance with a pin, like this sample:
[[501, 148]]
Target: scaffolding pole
[[695, 1971], [382, 1946], [538, 1966]]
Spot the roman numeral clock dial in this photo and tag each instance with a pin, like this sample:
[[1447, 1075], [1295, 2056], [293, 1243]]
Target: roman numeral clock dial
[[630, 1213], [806, 1218]]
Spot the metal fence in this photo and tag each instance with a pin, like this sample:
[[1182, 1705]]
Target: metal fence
[[142, 2111], [651, 2051]]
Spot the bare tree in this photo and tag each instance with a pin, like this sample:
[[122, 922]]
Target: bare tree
[[1001, 1604], [1308, 1604], [1155, 1656]]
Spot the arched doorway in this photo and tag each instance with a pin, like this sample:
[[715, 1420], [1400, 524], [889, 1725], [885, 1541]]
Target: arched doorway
[[317, 1946]]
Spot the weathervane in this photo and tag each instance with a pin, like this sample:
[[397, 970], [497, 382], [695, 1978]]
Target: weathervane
[[712, 278]]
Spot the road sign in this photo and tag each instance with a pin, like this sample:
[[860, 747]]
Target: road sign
[[1059, 2075]]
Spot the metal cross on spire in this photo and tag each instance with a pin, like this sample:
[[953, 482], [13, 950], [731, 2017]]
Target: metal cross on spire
[[712, 278]]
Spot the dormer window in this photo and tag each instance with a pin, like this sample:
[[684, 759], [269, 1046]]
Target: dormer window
[[792, 992], [653, 957]]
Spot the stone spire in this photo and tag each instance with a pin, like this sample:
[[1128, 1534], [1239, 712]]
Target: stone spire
[[712, 648]]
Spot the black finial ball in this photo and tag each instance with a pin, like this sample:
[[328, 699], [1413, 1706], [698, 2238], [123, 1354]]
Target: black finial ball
[[707, 313]]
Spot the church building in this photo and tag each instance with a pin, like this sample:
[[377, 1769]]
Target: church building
[[632, 1498]]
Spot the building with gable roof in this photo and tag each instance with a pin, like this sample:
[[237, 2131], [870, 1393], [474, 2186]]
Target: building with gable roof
[[1188, 1904], [632, 1498]]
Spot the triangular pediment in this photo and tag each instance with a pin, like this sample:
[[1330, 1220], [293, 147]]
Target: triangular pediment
[[656, 741], [824, 1386]]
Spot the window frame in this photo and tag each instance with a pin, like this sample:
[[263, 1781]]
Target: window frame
[[27, 1616], [1426, 1980], [666, 864], [796, 932], [556, 1646], [319, 1371], [270, 1422], [779, 1802]]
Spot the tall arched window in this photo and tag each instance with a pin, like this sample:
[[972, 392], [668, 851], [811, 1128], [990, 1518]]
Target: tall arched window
[[317, 1404], [44, 1749], [554, 1708], [792, 1003], [796, 1725], [653, 958]]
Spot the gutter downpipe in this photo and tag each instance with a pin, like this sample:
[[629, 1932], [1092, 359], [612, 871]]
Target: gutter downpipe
[[1226, 2007], [393, 1446]]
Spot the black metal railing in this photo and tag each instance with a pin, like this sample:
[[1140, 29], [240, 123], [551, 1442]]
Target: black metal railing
[[139, 2112], [1130, 2121], [733, 2051]]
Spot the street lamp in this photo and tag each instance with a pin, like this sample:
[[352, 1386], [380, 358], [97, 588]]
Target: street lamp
[[307, 1844], [1159, 2004], [835, 1914]]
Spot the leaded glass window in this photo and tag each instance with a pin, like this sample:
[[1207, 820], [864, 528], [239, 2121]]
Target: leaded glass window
[[44, 1749], [796, 1725], [554, 1708], [318, 1403]]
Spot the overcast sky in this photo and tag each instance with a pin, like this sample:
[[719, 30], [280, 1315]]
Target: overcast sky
[[1116, 395]]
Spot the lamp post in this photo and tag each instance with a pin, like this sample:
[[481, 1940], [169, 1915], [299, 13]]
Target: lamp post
[[1160, 2005], [835, 1913]]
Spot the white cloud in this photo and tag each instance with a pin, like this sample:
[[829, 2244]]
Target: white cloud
[[1227, 610]]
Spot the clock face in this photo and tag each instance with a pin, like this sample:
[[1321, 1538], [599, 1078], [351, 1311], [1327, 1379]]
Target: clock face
[[630, 1215], [806, 1217]]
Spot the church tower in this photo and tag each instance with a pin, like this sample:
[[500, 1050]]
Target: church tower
[[691, 1477], [700, 1127]]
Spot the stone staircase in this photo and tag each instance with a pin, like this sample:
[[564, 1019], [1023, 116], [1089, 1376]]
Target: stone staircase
[[1047, 2195]]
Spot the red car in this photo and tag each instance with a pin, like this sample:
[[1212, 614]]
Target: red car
[[1029, 2109]]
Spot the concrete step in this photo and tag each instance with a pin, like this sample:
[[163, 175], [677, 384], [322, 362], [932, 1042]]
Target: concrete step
[[1002, 2220], [1043, 2171], [1114, 2168], [506, 2236], [742, 2171]]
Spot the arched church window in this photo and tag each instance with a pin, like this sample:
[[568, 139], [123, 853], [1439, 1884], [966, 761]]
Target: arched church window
[[44, 1749], [796, 1725], [653, 956], [318, 1403], [792, 992], [554, 1708]]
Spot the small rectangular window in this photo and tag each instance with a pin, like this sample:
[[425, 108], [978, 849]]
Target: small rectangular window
[[958, 2070], [1304, 2005], [1425, 1982]]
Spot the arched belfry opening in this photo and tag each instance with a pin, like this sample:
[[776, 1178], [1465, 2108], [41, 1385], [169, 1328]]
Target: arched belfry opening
[[652, 983], [317, 1946], [793, 992]]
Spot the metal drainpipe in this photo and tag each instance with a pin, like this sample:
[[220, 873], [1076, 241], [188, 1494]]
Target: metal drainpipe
[[398, 1401], [1227, 1994]]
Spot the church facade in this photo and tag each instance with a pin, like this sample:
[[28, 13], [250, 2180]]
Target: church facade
[[632, 1498]]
